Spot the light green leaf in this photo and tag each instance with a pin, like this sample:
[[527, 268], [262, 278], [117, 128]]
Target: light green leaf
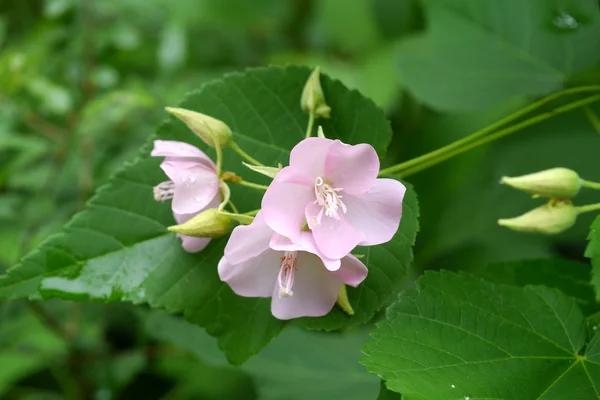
[[119, 249], [476, 53], [458, 336], [297, 364]]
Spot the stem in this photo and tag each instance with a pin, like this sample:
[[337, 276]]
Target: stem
[[485, 131], [588, 208], [252, 185], [490, 138], [226, 195], [590, 184], [234, 146], [241, 218], [219, 152], [251, 213], [311, 123]]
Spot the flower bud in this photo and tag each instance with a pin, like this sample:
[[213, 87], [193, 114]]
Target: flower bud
[[313, 99], [207, 128], [560, 183], [209, 224], [343, 302], [549, 219]]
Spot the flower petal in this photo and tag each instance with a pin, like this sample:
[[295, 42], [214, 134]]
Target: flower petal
[[248, 241], [255, 277], [305, 242], [377, 213], [315, 290], [195, 187], [335, 238], [284, 202], [352, 168], [180, 151], [352, 271], [309, 156]]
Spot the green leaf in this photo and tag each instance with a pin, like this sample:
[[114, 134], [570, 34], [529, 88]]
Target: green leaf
[[571, 277], [593, 252], [477, 53], [298, 364], [458, 336], [119, 249]]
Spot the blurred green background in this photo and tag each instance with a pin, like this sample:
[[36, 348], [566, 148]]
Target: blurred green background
[[83, 84]]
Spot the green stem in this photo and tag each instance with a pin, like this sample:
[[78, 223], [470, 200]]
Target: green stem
[[485, 131], [590, 184], [241, 218], [311, 123], [234, 146], [226, 192], [219, 152], [588, 208], [252, 185], [251, 213], [494, 136]]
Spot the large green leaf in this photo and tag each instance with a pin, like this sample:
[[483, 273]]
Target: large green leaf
[[476, 53], [458, 336], [119, 249], [571, 277], [593, 252], [296, 365]]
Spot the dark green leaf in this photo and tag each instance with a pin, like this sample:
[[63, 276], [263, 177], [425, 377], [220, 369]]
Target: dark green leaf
[[593, 252], [571, 277], [476, 53], [458, 336]]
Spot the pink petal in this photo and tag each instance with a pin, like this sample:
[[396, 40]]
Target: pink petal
[[335, 238], [305, 242], [315, 291], [180, 151], [248, 241], [284, 202], [195, 187], [352, 168], [309, 156], [255, 277], [377, 213], [352, 271]]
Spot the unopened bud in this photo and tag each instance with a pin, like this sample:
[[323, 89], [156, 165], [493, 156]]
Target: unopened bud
[[209, 224], [313, 99], [559, 183], [343, 302], [207, 128], [549, 219]]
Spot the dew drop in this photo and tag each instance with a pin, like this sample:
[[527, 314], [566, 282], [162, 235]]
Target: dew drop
[[568, 21], [564, 21], [198, 199], [192, 178], [452, 386]]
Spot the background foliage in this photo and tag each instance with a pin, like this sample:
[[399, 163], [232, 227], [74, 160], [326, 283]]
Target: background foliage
[[83, 84]]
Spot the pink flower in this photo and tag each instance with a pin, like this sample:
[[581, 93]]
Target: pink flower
[[193, 185], [333, 189], [300, 280]]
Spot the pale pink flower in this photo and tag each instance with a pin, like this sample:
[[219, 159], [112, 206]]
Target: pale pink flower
[[193, 185], [332, 188], [300, 280]]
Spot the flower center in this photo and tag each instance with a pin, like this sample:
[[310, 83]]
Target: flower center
[[285, 279], [164, 191], [329, 199]]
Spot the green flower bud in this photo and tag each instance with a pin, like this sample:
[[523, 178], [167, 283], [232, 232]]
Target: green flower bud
[[343, 302], [207, 128], [560, 183], [313, 99], [549, 219], [209, 224]]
